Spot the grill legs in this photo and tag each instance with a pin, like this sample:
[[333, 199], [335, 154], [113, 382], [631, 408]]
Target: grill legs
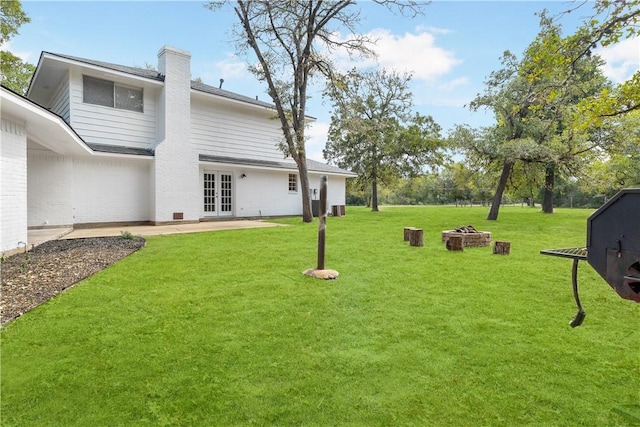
[[579, 317]]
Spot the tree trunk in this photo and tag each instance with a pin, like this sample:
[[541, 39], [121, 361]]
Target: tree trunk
[[507, 166], [549, 181], [305, 190], [374, 193]]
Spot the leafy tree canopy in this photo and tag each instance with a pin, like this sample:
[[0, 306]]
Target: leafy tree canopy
[[14, 73], [374, 131], [610, 22], [12, 18]]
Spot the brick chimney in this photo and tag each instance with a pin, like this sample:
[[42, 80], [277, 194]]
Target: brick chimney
[[175, 169]]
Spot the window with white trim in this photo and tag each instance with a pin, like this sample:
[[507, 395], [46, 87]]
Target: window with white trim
[[109, 94], [293, 183]]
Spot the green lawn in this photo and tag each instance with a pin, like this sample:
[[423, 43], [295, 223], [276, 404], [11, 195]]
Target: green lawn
[[223, 329]]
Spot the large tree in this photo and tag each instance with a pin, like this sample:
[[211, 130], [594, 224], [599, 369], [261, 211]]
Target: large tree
[[509, 96], [14, 73], [535, 102], [290, 39], [374, 131], [559, 90]]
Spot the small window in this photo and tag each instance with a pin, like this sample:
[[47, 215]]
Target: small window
[[128, 98], [109, 94], [293, 183], [98, 92]]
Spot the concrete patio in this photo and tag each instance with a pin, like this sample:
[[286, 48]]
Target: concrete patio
[[39, 236]]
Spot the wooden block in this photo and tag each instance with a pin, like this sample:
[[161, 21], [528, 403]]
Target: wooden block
[[455, 243], [407, 233], [502, 248], [416, 237], [337, 210]]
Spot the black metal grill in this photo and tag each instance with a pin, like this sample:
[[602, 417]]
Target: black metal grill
[[613, 247]]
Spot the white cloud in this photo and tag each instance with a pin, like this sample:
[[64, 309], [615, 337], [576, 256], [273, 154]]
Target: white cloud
[[316, 140], [416, 53], [231, 69], [622, 59], [455, 83], [433, 30], [22, 55]]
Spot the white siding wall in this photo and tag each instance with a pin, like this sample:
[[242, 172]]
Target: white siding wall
[[111, 126], [266, 192], [13, 185], [50, 188], [261, 193], [60, 103], [111, 190], [230, 130]]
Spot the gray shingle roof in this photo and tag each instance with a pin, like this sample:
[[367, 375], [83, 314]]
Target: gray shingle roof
[[139, 72], [323, 167], [312, 165], [201, 87]]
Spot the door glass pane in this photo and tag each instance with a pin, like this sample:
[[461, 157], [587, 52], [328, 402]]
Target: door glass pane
[[225, 193], [209, 192]]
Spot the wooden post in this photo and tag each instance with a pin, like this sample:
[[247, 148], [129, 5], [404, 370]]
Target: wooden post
[[454, 243], [407, 233], [322, 221], [502, 248], [416, 237]]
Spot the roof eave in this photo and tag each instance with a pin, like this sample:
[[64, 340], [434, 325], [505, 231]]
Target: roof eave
[[78, 62]]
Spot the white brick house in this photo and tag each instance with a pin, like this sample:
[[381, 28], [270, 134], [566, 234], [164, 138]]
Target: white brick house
[[94, 143]]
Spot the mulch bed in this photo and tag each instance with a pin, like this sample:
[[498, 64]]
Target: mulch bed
[[34, 277]]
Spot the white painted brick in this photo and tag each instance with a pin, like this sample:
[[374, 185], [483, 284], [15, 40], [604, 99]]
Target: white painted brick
[[50, 189], [175, 170], [111, 190], [13, 185], [64, 190]]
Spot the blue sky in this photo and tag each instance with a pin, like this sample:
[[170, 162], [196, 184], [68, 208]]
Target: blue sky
[[450, 50]]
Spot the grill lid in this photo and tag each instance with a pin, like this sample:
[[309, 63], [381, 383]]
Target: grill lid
[[613, 243]]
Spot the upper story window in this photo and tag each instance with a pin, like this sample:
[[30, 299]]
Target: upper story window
[[293, 182], [109, 94]]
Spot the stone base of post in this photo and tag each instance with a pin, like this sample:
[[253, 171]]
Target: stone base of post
[[321, 274]]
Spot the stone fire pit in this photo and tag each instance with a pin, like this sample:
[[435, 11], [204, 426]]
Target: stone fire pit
[[470, 236]]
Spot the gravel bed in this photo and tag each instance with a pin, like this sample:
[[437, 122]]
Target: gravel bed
[[32, 278]]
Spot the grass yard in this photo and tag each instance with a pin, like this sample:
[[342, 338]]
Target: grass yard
[[223, 329]]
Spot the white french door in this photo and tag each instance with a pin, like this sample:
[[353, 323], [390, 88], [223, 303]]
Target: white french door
[[218, 193]]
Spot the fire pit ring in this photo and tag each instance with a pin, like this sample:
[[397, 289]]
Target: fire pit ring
[[469, 235]]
